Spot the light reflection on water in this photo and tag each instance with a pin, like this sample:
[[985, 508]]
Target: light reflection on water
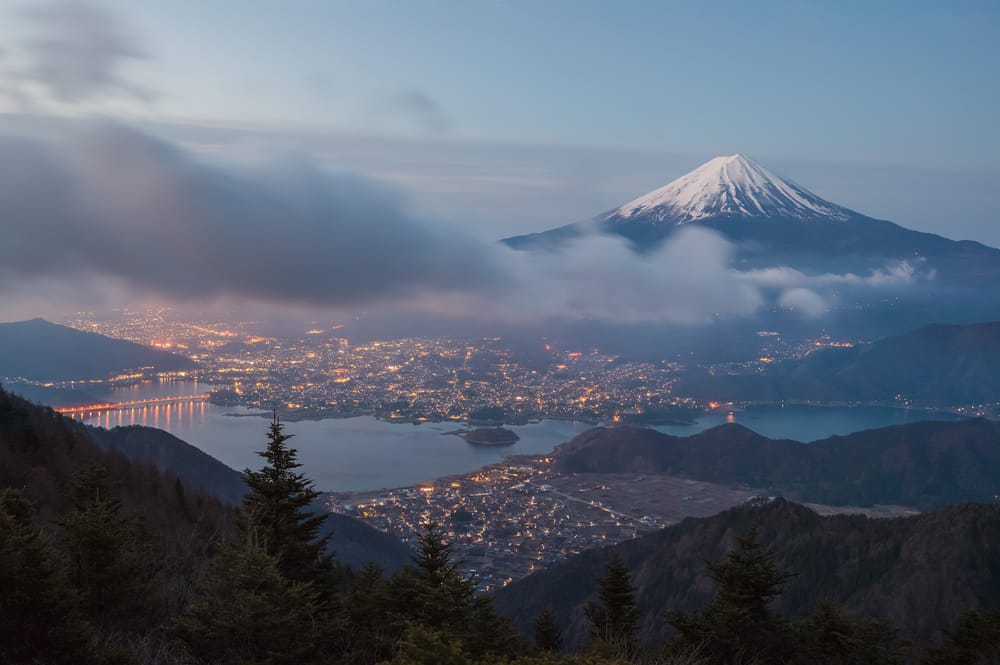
[[171, 416]]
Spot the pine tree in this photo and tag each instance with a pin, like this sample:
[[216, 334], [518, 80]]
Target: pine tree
[[738, 624], [109, 558], [370, 639], [425, 646], [277, 510], [488, 633], [975, 640], [615, 617], [39, 621], [829, 637], [431, 592], [548, 634], [249, 613]]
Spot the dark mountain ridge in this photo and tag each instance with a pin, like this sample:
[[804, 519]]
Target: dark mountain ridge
[[354, 542], [919, 572], [936, 364], [42, 351], [924, 464], [40, 451]]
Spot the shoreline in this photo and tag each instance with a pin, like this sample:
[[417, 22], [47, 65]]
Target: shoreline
[[738, 407]]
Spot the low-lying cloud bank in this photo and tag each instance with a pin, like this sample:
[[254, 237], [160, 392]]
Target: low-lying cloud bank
[[111, 201], [100, 201]]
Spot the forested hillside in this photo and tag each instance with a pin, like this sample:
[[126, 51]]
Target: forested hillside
[[919, 573], [936, 365], [104, 559], [924, 464]]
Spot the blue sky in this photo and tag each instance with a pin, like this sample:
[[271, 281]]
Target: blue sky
[[909, 83], [561, 109]]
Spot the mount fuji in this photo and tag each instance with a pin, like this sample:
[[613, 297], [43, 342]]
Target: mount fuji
[[773, 221]]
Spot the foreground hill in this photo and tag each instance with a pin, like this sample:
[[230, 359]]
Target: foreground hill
[[919, 572], [43, 351], [41, 451], [937, 364], [354, 542], [165, 451], [925, 464]]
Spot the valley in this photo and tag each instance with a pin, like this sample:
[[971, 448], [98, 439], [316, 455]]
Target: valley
[[499, 333], [508, 520]]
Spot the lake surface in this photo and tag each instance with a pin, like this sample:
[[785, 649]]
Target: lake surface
[[363, 453]]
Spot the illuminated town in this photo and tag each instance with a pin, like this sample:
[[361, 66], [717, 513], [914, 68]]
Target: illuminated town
[[321, 374], [504, 520], [507, 520]]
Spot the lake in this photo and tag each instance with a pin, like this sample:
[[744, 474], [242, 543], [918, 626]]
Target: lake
[[364, 453]]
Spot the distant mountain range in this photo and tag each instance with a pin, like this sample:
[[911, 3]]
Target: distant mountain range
[[919, 572], [772, 221], [923, 465], [936, 365], [42, 351]]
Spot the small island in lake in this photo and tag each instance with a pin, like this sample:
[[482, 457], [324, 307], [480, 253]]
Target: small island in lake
[[487, 436]]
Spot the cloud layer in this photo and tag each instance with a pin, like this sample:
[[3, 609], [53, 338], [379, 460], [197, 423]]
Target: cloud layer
[[100, 201], [111, 201], [73, 53]]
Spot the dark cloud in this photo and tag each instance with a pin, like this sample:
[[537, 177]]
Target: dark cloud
[[77, 50], [99, 206], [111, 201]]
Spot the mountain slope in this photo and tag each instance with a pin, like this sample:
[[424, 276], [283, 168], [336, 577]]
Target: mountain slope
[[936, 364], [166, 451], [733, 185], [41, 452], [354, 542], [182, 493], [924, 464], [919, 572], [773, 221], [43, 351]]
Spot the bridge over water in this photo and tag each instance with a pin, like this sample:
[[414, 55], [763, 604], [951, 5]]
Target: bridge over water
[[115, 406]]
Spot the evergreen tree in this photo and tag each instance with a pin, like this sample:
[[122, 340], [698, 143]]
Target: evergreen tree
[[109, 558], [249, 613], [425, 646], [370, 639], [615, 618], [738, 625], [277, 510], [974, 641], [829, 637], [39, 622], [431, 592], [548, 634], [488, 633]]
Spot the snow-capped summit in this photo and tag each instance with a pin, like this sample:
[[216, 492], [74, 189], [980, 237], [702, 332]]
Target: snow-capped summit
[[770, 221], [728, 186]]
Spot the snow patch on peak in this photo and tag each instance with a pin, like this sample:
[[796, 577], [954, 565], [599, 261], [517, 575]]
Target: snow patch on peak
[[729, 185]]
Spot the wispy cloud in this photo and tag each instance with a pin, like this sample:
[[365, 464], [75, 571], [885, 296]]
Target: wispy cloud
[[420, 109], [76, 51]]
